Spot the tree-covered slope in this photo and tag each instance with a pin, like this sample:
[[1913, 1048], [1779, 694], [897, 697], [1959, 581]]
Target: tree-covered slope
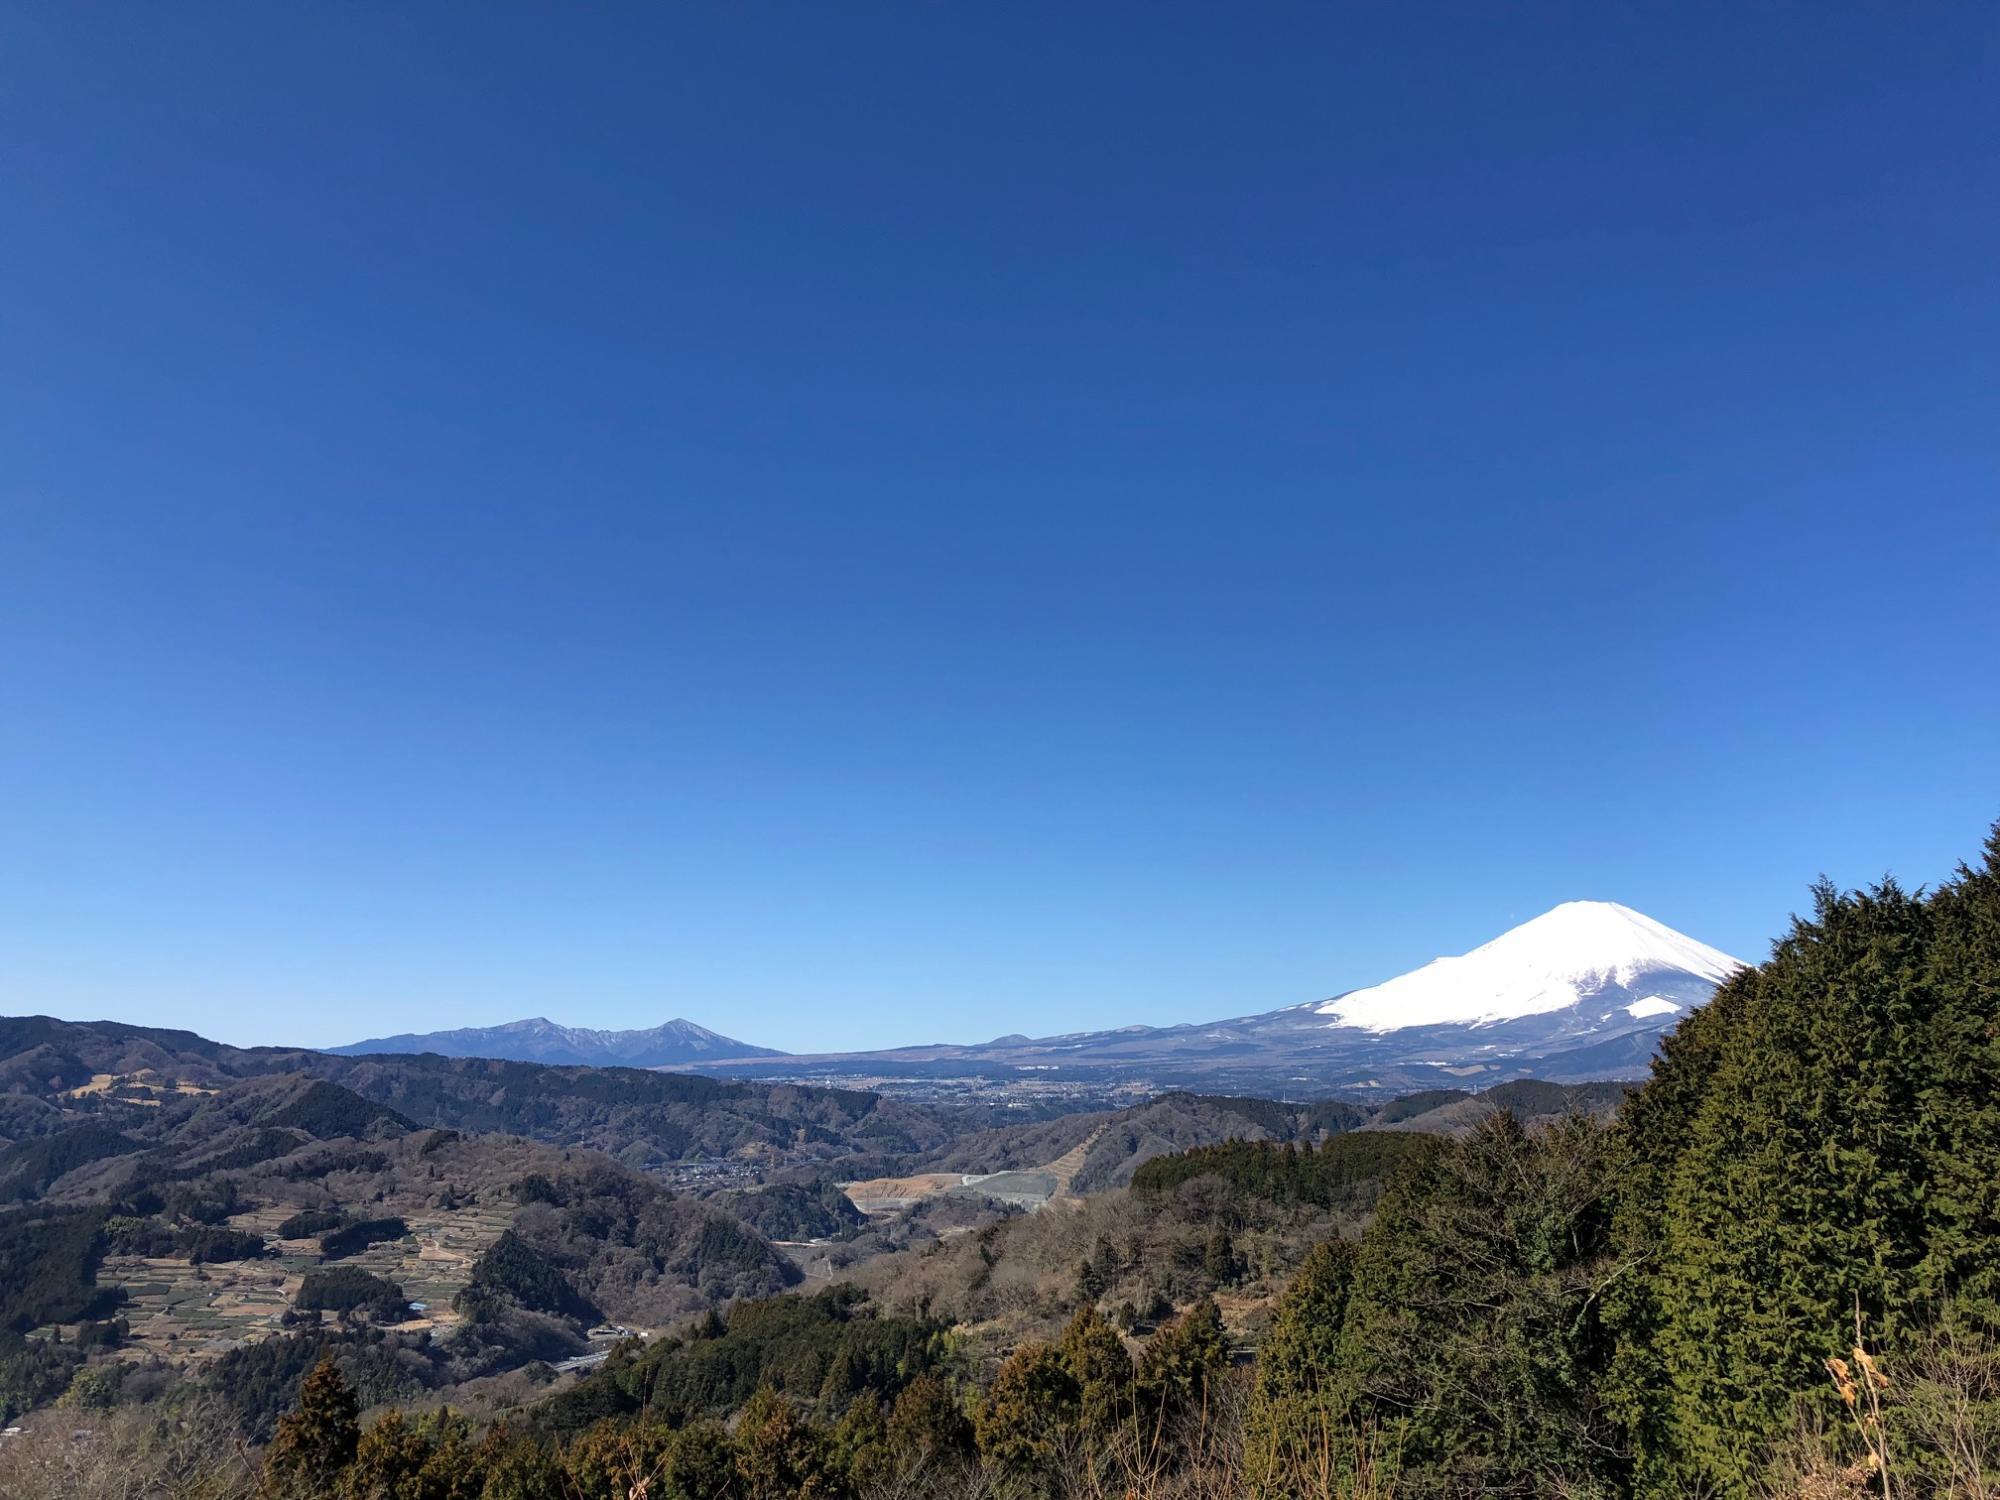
[[1809, 1184], [1823, 1139]]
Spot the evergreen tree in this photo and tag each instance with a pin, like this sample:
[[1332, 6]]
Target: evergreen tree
[[1299, 1405], [700, 1462], [859, 1448], [1472, 1336], [780, 1456], [846, 1373], [92, 1388], [1098, 1272], [926, 1425], [1822, 1138], [315, 1441], [617, 1459], [1219, 1260], [1106, 1256], [1101, 1369], [1029, 1411], [515, 1468], [1181, 1359], [1091, 1283], [388, 1460]]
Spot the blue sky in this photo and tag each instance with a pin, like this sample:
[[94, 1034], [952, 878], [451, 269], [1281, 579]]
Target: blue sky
[[865, 524]]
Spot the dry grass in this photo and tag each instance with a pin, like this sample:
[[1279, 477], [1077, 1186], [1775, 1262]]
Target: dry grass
[[1927, 1429], [154, 1090], [186, 1454]]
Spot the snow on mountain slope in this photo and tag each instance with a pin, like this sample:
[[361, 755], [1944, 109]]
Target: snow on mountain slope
[[1578, 952]]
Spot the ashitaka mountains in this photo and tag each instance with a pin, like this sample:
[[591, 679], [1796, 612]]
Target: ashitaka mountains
[[1584, 991], [674, 1044]]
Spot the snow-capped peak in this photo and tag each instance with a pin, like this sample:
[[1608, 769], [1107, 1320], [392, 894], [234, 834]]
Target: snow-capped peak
[[1576, 950]]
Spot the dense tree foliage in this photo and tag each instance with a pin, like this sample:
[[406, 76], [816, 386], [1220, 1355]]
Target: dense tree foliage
[[255, 1384], [309, 1222], [619, 1236], [1181, 1361], [203, 1243], [1409, 1106], [1025, 1420], [1472, 1332], [48, 1267], [327, 1111], [33, 1372], [316, 1440], [347, 1289], [510, 1272], [828, 1349], [29, 1167], [1300, 1402], [1327, 1175], [1822, 1139], [794, 1211], [210, 1201], [352, 1238]]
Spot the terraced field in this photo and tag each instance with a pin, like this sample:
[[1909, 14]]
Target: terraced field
[[434, 1261], [185, 1313]]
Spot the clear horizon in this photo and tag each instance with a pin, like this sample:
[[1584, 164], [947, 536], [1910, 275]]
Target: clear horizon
[[875, 527]]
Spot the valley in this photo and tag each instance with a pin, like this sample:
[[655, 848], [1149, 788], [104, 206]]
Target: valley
[[561, 1245], [198, 1186]]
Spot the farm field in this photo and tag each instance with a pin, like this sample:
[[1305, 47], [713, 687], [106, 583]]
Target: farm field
[[185, 1313]]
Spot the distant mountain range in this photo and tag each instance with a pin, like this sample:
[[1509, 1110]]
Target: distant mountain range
[[1582, 992], [673, 1044]]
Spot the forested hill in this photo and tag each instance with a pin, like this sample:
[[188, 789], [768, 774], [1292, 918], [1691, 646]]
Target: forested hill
[[51, 1068], [1777, 1275], [1106, 1147], [40, 1054], [643, 1117], [1774, 1276]]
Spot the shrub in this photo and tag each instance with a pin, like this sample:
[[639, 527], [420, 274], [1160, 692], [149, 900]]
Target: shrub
[[203, 1244], [311, 1221], [350, 1289], [359, 1236]]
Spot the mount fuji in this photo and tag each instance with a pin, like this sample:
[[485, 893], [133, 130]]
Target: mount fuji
[[1582, 992], [1590, 958]]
